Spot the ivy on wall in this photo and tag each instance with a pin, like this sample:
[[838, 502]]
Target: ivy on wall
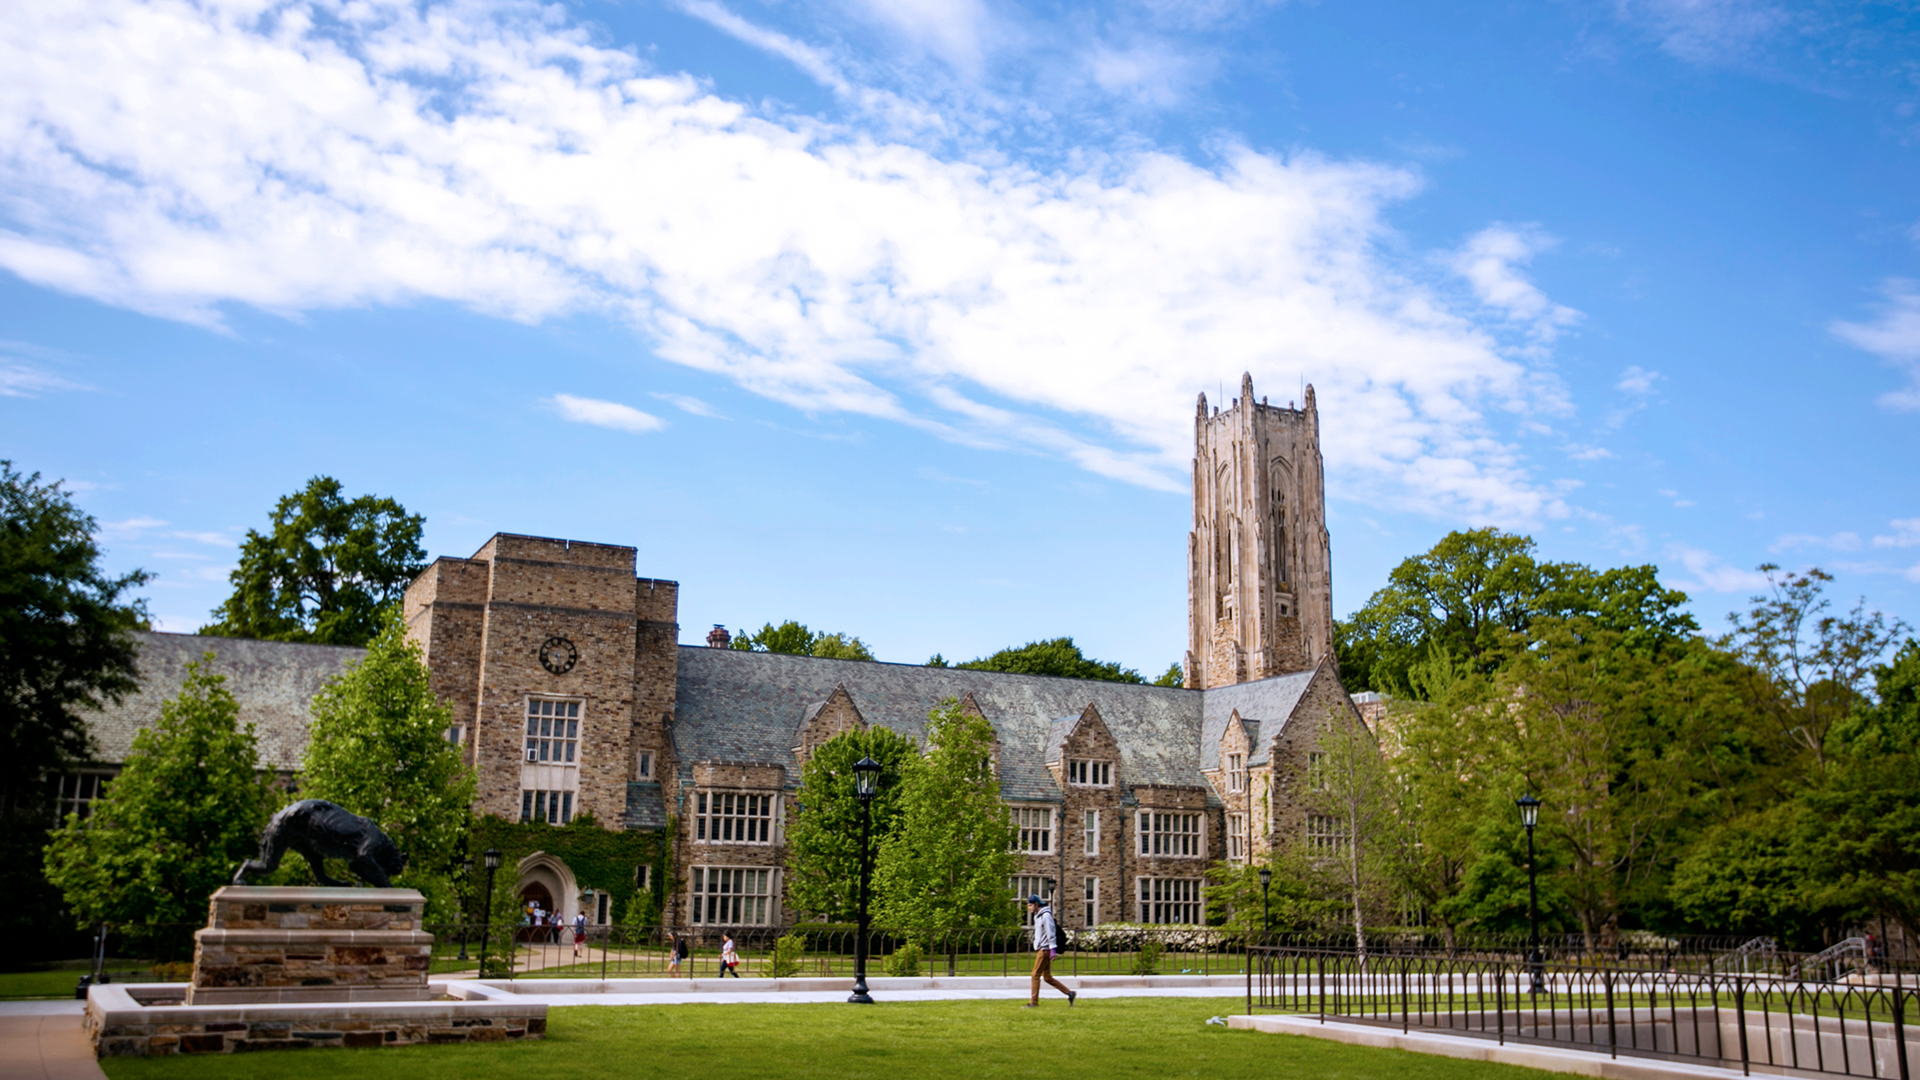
[[604, 860]]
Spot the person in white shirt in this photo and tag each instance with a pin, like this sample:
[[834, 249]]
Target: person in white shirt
[[579, 932], [729, 960], [1046, 945]]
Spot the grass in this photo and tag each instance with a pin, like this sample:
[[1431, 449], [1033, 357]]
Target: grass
[[58, 980], [944, 1040]]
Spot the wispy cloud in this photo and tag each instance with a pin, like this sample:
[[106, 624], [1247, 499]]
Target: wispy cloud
[[1840, 541], [687, 404], [606, 414], [1709, 572], [1706, 31], [819, 265], [1906, 533], [1637, 380], [1588, 453], [1893, 334], [1493, 261]]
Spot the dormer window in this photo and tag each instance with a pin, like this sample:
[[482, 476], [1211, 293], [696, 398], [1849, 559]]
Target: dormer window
[[1085, 773]]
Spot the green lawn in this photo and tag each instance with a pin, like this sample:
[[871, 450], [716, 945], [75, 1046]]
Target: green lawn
[[962, 1040], [59, 982]]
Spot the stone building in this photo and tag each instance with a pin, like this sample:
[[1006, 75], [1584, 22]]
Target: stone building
[[570, 694]]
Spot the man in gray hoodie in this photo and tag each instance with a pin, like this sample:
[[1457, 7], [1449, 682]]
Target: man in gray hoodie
[[1046, 945]]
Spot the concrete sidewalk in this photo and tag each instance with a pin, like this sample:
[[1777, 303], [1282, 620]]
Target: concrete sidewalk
[[43, 1040], [564, 992]]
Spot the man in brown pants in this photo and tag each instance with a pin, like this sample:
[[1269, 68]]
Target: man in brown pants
[[1046, 944]]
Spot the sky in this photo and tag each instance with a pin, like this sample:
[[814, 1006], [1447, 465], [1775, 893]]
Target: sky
[[889, 316]]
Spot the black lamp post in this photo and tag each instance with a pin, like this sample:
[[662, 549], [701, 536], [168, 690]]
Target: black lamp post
[[866, 781], [1266, 912], [492, 860], [1529, 817], [466, 881]]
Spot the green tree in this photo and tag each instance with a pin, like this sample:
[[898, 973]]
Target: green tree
[[324, 571], [1814, 666], [65, 636], [1175, 675], [795, 639], [947, 860], [823, 837], [1475, 586], [184, 812], [1058, 656], [1349, 784], [1295, 898], [378, 747]]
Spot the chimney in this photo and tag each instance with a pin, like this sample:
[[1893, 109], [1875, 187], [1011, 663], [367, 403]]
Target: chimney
[[718, 638]]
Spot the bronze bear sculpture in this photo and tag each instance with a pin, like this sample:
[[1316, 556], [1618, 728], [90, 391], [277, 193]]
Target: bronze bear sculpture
[[319, 830]]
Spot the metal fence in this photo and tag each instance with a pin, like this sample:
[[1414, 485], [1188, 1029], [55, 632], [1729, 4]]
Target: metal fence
[[1866, 1023]]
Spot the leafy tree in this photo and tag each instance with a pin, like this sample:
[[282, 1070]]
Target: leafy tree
[[1815, 665], [324, 571], [1474, 587], [65, 641], [1295, 899], [1350, 785], [1058, 656], [378, 747], [936, 660], [1175, 675], [946, 862], [823, 838], [184, 812], [795, 639]]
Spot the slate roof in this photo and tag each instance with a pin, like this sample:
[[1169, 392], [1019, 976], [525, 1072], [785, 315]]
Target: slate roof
[[646, 807], [1270, 702], [747, 706], [273, 681]]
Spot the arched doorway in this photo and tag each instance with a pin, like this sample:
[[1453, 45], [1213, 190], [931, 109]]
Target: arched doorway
[[551, 881], [534, 893]]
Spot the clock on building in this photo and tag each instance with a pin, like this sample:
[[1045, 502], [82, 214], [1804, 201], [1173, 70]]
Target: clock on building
[[558, 655]]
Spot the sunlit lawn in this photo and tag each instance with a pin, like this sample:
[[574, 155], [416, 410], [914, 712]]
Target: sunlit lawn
[[1099, 1038]]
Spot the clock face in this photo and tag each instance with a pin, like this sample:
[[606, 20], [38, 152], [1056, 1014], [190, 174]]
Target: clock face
[[558, 655]]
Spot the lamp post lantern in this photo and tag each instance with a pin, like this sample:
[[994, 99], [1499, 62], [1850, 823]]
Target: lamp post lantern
[[866, 781], [1266, 912], [466, 882], [1529, 817], [492, 860]]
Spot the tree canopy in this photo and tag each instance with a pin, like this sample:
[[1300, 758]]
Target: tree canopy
[[324, 570], [946, 862], [823, 838], [1057, 656], [186, 809], [795, 639], [1475, 586], [378, 747], [65, 635]]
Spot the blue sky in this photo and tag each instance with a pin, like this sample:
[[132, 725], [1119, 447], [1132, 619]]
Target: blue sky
[[888, 315]]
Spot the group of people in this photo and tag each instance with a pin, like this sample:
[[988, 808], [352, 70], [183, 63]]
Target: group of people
[[546, 922], [680, 947]]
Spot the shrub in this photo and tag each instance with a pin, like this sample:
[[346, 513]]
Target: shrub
[[1146, 961], [787, 952], [904, 961]]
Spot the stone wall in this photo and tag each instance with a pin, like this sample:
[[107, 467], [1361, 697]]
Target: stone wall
[[267, 944], [152, 1021]]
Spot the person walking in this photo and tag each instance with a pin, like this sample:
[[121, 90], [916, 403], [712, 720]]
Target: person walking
[[729, 960], [579, 932], [673, 954], [1046, 946]]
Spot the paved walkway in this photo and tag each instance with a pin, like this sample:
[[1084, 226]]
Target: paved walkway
[[43, 1040]]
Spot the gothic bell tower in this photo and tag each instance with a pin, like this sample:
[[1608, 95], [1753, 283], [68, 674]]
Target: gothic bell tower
[[1259, 572]]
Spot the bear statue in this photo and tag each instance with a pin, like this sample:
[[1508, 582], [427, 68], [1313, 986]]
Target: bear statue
[[319, 830]]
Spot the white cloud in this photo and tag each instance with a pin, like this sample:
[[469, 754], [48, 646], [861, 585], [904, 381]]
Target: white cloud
[[1637, 380], [1588, 453], [130, 528], [1894, 336], [1492, 260], [957, 31], [1152, 72], [1906, 533], [19, 380], [688, 404], [489, 155], [1711, 573], [606, 414], [1840, 541]]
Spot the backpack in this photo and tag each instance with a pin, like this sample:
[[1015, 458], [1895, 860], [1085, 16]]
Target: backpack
[[1061, 939]]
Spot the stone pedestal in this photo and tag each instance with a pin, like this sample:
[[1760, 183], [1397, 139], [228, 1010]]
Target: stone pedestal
[[291, 945]]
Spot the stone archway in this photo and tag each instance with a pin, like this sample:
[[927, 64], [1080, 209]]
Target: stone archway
[[556, 878]]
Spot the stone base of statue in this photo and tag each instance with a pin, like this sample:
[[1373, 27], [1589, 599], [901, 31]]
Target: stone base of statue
[[288, 945]]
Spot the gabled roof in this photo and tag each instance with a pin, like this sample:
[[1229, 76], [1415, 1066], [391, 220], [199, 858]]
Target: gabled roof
[[1268, 703], [745, 706]]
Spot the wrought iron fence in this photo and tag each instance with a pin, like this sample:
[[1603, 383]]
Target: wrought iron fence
[[1862, 1024]]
